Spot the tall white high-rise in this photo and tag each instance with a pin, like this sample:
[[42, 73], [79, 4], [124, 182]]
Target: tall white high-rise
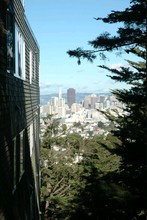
[[60, 93]]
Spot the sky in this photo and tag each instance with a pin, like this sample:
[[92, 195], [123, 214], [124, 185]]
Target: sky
[[62, 25]]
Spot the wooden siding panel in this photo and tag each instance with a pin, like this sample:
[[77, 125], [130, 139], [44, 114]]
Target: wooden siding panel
[[19, 102]]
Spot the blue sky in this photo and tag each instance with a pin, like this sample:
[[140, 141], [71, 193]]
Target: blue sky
[[60, 25]]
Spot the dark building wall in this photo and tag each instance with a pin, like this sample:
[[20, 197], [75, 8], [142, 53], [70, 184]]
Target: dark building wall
[[19, 117]]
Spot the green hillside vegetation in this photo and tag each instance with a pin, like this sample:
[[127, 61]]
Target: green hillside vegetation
[[69, 165]]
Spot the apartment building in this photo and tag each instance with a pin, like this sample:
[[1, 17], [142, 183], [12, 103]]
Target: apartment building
[[19, 115]]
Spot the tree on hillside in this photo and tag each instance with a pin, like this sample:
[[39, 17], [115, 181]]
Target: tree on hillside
[[71, 168], [132, 127], [58, 168], [95, 185]]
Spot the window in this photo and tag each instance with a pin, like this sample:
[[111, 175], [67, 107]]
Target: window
[[10, 39], [34, 75], [19, 54], [22, 145], [31, 139], [18, 157], [31, 67], [15, 46]]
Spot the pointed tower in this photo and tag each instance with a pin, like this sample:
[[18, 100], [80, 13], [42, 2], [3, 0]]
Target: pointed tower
[[60, 93]]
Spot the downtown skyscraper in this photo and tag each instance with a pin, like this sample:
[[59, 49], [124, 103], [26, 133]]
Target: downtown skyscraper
[[71, 96]]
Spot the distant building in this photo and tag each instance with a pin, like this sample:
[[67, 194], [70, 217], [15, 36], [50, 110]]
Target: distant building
[[55, 106], [90, 101], [71, 96], [19, 115], [87, 102], [75, 107], [93, 101], [102, 98]]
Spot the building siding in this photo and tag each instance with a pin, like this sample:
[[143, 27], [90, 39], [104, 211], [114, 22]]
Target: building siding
[[19, 108]]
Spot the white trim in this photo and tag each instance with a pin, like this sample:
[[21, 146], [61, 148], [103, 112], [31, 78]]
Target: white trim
[[19, 54], [31, 139], [31, 66]]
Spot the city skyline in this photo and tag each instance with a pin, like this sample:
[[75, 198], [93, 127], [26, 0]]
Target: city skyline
[[79, 97], [58, 106], [60, 26]]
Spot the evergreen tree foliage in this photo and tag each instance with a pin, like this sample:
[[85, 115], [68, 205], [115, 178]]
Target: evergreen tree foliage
[[74, 176], [132, 126], [59, 153], [109, 179], [132, 35]]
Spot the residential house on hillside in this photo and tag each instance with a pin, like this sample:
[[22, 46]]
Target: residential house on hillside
[[19, 115]]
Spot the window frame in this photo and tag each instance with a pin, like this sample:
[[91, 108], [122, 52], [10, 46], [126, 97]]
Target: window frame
[[22, 153], [31, 66], [10, 39], [20, 70]]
